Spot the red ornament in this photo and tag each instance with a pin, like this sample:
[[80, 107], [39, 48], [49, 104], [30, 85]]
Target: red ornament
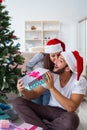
[[13, 36], [1, 1], [18, 52]]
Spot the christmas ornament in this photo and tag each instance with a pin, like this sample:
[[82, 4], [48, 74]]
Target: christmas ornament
[[13, 36], [1, 1]]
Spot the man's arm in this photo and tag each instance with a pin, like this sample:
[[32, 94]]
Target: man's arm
[[69, 104], [30, 94]]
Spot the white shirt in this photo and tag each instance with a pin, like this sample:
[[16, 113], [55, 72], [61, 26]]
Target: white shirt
[[69, 89]]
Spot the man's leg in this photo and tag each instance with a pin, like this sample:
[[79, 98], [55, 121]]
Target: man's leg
[[66, 121], [34, 113], [46, 116], [25, 109]]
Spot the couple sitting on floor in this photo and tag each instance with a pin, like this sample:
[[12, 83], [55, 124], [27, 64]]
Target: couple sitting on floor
[[66, 86]]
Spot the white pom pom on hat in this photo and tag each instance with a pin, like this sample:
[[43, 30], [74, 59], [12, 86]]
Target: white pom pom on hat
[[74, 61], [54, 45]]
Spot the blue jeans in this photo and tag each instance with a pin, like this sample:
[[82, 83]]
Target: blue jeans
[[43, 99]]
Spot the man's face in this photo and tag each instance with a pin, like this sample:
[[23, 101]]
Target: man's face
[[60, 65]]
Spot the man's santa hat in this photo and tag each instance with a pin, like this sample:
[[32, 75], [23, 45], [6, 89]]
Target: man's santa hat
[[54, 45], [74, 61]]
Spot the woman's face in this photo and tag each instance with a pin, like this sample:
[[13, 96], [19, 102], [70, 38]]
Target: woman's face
[[54, 56]]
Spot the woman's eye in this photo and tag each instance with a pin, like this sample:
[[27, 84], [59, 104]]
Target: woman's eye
[[53, 56]]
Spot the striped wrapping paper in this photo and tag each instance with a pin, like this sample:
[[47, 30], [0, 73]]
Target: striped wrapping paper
[[26, 126], [31, 81]]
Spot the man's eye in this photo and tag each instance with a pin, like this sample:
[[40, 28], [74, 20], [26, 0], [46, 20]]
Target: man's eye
[[61, 60]]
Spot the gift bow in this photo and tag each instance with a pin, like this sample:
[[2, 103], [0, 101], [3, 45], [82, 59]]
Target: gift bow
[[35, 74]]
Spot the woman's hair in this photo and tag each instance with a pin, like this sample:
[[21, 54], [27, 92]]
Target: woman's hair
[[47, 63]]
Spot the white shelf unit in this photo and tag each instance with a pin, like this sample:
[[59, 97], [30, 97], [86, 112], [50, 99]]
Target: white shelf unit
[[42, 32]]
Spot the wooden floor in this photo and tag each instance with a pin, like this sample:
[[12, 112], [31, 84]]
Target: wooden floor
[[83, 115]]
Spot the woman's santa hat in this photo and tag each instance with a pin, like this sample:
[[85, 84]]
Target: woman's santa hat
[[74, 61], [54, 45]]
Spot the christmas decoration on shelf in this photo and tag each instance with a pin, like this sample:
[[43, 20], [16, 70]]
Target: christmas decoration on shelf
[[10, 55], [33, 28]]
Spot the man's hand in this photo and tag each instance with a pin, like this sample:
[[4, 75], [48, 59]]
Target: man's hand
[[20, 86], [49, 81]]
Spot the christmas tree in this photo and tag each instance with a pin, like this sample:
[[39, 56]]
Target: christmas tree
[[10, 55]]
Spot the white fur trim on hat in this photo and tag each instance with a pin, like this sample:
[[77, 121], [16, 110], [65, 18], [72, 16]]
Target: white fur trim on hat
[[70, 60], [53, 48]]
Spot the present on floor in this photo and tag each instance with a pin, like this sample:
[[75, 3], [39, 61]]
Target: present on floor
[[6, 125], [3, 114], [27, 126], [7, 112]]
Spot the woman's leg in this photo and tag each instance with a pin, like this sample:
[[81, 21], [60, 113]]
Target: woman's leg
[[46, 98], [38, 100]]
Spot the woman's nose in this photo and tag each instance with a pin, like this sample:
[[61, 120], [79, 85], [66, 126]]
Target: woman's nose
[[56, 58], [56, 61]]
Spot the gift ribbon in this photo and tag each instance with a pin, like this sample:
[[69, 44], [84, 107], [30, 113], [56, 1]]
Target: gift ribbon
[[35, 74], [33, 127]]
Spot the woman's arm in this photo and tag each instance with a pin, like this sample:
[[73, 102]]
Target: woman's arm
[[31, 64]]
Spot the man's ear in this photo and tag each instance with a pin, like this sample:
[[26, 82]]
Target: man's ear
[[67, 68]]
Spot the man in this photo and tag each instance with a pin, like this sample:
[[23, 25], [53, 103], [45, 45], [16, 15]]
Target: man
[[67, 90], [46, 60]]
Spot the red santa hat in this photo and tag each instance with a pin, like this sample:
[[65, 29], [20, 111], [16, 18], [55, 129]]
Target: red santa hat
[[74, 61], [1, 1], [54, 45]]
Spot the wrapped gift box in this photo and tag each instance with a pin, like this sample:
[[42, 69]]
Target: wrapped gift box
[[35, 78], [11, 127], [26, 126], [7, 125]]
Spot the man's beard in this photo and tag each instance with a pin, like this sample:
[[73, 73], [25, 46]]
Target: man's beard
[[60, 71]]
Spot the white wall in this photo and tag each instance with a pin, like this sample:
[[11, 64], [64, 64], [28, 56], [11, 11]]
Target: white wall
[[69, 12]]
